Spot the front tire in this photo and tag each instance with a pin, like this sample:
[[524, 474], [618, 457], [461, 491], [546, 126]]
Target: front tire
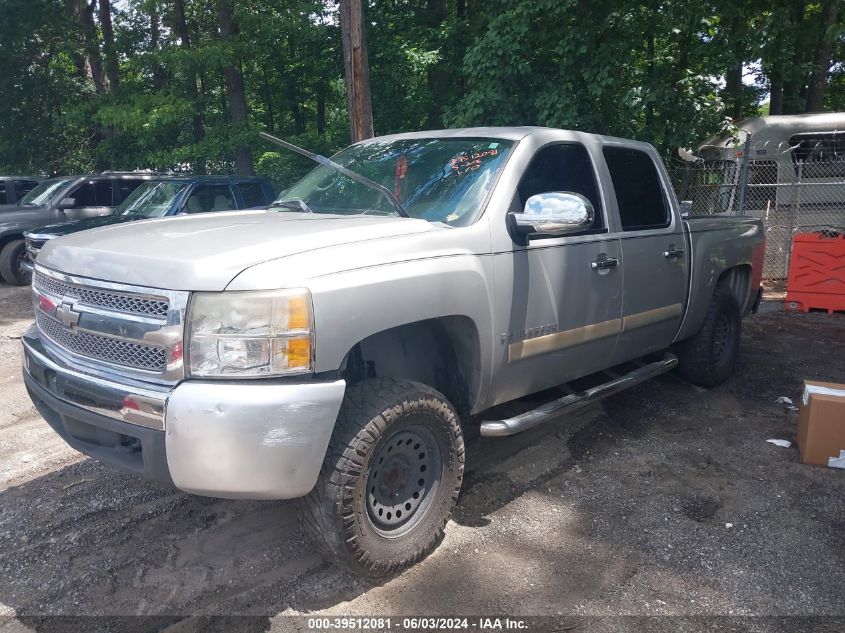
[[708, 357], [390, 479], [11, 259]]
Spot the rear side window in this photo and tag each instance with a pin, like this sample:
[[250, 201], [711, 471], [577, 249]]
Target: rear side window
[[122, 189], [253, 194], [639, 193], [562, 167]]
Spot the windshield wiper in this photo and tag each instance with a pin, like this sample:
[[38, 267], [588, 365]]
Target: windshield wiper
[[297, 204], [322, 160]]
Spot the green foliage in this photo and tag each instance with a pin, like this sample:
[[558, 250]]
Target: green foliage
[[665, 71]]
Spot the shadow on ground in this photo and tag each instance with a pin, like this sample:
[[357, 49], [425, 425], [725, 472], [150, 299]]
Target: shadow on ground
[[663, 500]]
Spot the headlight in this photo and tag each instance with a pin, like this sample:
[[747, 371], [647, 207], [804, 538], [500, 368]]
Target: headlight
[[237, 334]]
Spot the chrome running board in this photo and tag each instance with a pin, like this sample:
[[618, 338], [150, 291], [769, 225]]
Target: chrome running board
[[574, 401]]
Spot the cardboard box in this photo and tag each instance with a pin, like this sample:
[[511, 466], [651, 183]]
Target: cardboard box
[[821, 424]]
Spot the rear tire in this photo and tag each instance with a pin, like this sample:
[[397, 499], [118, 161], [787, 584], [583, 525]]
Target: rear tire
[[11, 257], [390, 479], [708, 357]]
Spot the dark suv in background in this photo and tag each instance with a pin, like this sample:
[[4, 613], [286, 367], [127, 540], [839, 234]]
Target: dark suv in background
[[13, 188], [163, 197], [54, 200]]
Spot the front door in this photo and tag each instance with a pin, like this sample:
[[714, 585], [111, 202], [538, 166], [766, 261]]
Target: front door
[[654, 254], [90, 199], [560, 315]]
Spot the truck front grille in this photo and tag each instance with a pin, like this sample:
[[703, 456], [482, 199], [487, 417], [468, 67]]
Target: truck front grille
[[103, 348], [107, 299]]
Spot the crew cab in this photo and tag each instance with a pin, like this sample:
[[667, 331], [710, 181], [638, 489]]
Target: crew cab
[[162, 198], [338, 345]]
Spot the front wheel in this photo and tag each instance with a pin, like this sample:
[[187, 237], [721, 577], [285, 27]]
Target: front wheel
[[390, 479], [12, 260], [708, 357]]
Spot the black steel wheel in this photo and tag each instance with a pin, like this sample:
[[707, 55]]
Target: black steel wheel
[[390, 480], [708, 357], [403, 478]]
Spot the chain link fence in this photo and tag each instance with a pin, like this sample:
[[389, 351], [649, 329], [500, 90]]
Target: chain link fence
[[793, 189]]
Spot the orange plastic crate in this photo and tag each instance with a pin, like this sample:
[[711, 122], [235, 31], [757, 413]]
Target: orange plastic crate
[[816, 278]]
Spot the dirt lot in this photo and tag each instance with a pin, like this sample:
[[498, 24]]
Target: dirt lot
[[666, 500]]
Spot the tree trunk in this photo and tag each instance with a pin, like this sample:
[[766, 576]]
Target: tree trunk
[[733, 85], [236, 94], [776, 91], [109, 48], [72, 14], [91, 45], [184, 34], [438, 78], [793, 82], [821, 61], [356, 70], [321, 108]]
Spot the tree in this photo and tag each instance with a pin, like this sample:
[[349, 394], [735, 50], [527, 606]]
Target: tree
[[236, 95], [356, 70]]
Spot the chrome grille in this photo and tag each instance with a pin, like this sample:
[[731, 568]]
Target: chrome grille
[[35, 244], [107, 299], [111, 350]]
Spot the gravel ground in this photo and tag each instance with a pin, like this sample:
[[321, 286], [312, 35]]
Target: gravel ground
[[665, 500]]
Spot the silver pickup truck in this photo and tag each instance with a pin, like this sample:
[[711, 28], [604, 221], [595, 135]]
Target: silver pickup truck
[[338, 345]]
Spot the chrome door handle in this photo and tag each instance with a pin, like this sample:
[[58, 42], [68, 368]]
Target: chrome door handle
[[673, 253], [604, 263]]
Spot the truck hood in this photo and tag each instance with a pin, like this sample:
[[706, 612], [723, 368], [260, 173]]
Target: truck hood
[[73, 226], [205, 252], [11, 214]]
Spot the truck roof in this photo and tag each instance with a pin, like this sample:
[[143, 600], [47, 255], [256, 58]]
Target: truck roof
[[509, 133]]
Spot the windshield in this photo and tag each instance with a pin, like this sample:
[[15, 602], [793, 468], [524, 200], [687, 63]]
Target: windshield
[[152, 199], [439, 180], [45, 192]]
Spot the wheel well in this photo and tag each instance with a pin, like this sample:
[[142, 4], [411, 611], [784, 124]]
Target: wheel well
[[443, 353], [11, 237], [738, 279]]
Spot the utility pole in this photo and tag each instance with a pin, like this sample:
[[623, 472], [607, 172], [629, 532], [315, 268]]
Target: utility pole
[[356, 70]]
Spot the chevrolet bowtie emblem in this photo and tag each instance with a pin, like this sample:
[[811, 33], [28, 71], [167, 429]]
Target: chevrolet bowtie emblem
[[66, 314]]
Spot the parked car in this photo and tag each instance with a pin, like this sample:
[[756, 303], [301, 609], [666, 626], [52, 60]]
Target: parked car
[[65, 198], [13, 188], [337, 346], [166, 197]]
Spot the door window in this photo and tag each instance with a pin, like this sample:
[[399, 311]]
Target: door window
[[3, 199], [639, 194], [210, 198], [83, 196], [562, 167], [253, 194]]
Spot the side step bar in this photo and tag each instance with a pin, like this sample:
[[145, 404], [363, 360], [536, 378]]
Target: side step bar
[[574, 401]]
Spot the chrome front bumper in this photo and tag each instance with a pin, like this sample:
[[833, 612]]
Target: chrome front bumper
[[262, 439]]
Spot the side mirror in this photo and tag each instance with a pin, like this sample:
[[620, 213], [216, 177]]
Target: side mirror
[[686, 208], [67, 203], [553, 214]]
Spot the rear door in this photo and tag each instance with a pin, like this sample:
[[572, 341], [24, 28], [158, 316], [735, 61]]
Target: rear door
[[654, 257]]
